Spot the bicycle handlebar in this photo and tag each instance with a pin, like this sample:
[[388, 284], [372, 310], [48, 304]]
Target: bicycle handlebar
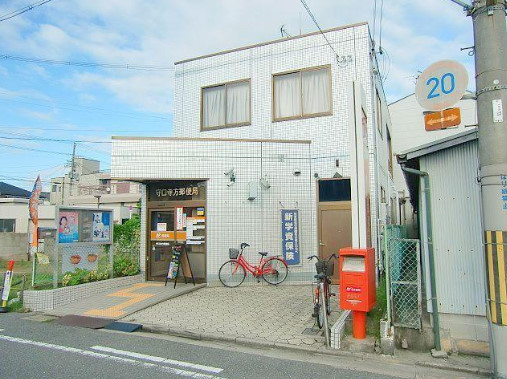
[[243, 245], [320, 260]]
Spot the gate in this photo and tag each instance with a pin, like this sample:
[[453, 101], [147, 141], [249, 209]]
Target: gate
[[403, 257]]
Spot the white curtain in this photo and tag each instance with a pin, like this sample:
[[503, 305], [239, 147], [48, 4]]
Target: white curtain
[[287, 95], [316, 91], [238, 103], [213, 106]]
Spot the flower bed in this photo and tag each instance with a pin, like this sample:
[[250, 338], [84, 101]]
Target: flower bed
[[50, 299]]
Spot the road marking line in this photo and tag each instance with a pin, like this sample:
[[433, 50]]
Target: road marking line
[[152, 358], [175, 371]]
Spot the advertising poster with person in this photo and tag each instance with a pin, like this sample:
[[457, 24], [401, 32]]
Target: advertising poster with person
[[101, 227], [68, 231]]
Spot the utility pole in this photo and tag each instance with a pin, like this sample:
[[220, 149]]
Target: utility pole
[[72, 166], [490, 44], [491, 87]]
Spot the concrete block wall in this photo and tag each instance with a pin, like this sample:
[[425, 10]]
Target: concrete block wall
[[13, 246]]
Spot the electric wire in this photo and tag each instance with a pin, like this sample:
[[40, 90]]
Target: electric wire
[[87, 107], [32, 149], [317, 25], [52, 140], [23, 10], [124, 66], [104, 112]]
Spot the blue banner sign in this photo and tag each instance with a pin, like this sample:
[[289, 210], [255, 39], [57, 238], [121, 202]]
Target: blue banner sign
[[290, 236]]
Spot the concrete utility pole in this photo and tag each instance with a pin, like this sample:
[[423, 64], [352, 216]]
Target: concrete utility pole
[[72, 167], [491, 86]]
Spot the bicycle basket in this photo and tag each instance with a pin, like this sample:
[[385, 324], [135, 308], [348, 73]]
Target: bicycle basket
[[326, 268], [233, 253]]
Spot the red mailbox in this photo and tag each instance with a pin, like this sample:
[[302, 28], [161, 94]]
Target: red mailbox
[[357, 285]]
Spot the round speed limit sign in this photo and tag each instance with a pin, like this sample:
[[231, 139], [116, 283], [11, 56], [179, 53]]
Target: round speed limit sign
[[441, 85]]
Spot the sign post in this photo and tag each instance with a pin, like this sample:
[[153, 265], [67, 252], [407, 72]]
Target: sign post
[[7, 286]]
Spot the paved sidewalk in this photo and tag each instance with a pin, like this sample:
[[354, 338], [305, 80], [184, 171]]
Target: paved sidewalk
[[266, 314], [120, 302]]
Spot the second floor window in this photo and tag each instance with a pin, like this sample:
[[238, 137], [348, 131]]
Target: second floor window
[[304, 93], [225, 105]]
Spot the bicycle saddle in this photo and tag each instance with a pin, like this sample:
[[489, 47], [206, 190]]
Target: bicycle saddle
[[263, 253]]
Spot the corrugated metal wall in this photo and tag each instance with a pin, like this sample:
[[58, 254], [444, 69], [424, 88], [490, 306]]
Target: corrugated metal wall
[[456, 218]]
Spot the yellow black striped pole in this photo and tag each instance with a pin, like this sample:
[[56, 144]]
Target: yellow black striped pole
[[496, 253]]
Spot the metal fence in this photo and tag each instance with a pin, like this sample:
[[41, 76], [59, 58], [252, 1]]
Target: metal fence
[[403, 259]]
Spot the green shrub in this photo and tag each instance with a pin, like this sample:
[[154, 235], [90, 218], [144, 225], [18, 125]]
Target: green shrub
[[81, 276], [125, 265]]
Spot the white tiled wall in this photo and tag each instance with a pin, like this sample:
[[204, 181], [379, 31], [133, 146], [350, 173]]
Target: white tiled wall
[[231, 217]]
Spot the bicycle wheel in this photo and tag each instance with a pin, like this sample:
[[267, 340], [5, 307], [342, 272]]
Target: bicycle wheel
[[231, 274], [327, 293], [317, 308], [274, 271]]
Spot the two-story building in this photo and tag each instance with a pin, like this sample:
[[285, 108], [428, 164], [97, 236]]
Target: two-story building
[[283, 145]]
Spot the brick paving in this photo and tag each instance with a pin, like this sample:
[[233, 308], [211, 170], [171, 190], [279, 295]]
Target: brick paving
[[262, 313]]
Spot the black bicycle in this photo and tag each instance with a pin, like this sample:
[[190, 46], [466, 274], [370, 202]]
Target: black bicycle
[[322, 288]]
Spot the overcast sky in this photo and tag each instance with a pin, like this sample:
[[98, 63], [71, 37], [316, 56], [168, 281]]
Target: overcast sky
[[42, 100]]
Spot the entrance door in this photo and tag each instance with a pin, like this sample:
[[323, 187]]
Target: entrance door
[[161, 242], [335, 230]]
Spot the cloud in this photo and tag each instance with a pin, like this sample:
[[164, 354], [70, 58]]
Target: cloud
[[160, 32]]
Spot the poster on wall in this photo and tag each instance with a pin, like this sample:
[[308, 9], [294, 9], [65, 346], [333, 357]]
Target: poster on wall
[[290, 236], [68, 231], [101, 227], [72, 259]]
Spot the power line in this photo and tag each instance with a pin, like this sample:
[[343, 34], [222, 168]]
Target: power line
[[380, 23], [76, 108], [50, 139], [66, 129], [124, 66], [30, 149], [318, 26], [23, 10]]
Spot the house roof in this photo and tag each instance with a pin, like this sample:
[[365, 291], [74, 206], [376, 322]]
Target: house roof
[[8, 190], [271, 42], [410, 158], [442, 144]]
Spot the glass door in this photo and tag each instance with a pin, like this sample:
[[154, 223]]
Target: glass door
[[162, 238]]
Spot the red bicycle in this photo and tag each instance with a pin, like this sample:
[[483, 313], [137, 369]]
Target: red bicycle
[[273, 270]]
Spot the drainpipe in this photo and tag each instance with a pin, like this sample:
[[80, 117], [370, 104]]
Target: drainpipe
[[426, 205]]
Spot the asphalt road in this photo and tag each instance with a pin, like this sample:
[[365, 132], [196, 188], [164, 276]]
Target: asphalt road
[[30, 349]]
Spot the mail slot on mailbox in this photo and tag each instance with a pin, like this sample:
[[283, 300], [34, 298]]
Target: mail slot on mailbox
[[357, 285]]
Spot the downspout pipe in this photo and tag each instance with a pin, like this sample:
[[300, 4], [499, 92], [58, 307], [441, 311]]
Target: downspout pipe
[[426, 204]]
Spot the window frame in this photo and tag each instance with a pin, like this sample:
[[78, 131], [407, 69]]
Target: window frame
[[13, 224], [300, 71], [249, 122]]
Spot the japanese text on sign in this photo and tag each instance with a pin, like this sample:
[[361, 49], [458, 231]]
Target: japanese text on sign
[[290, 236], [183, 191], [503, 179]]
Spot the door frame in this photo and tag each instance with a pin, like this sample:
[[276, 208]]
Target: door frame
[[326, 206], [162, 206]]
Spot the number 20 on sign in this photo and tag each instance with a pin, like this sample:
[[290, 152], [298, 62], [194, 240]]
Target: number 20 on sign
[[441, 85]]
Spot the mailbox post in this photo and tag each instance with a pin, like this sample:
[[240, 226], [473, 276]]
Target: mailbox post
[[357, 286]]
